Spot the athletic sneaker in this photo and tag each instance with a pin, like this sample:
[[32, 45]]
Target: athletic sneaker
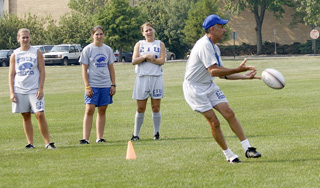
[[156, 136], [51, 146], [134, 138], [84, 141], [252, 153], [101, 140], [235, 160], [30, 146]]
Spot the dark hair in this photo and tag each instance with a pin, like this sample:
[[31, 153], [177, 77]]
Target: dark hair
[[95, 28], [146, 24]]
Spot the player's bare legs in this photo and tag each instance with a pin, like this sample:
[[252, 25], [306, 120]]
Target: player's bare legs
[[141, 105], [101, 120], [218, 136], [229, 115], [27, 125], [215, 128], [43, 126], [236, 127], [155, 104], [87, 120]]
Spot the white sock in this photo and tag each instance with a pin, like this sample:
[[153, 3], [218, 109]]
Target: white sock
[[138, 123], [156, 117], [245, 144], [229, 154]]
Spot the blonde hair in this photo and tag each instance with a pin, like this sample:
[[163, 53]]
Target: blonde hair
[[146, 24], [23, 30]]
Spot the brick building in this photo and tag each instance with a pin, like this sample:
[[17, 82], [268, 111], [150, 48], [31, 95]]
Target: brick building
[[41, 8], [244, 24]]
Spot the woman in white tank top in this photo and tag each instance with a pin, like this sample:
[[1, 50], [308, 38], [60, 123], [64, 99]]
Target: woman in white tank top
[[148, 57], [26, 81]]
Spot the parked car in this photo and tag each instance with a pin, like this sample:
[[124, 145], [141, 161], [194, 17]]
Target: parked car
[[5, 57], [170, 55], [44, 48], [126, 56], [63, 54]]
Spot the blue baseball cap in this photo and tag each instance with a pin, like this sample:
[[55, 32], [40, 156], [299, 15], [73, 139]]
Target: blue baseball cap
[[213, 20]]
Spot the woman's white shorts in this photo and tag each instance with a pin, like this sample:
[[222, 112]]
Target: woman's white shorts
[[27, 103], [148, 86]]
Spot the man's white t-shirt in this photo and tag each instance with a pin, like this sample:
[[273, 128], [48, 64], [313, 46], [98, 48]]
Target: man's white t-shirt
[[201, 58]]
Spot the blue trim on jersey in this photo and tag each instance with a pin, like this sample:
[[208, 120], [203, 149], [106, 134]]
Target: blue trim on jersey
[[215, 53]]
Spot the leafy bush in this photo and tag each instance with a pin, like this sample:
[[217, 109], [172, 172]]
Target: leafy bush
[[268, 48]]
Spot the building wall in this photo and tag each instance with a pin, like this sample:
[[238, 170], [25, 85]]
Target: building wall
[[55, 8], [245, 23], [2, 8]]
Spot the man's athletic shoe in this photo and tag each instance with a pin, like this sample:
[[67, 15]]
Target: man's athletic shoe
[[51, 146], [235, 160], [134, 138], [101, 140], [252, 153], [84, 141], [156, 137], [30, 146]]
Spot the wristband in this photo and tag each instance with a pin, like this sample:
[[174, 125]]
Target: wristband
[[114, 85], [88, 87]]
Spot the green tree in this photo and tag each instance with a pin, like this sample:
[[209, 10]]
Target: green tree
[[178, 11], [197, 13], [76, 28], [36, 25], [258, 8], [8, 31], [168, 18], [121, 23], [158, 14], [52, 33], [10, 24], [87, 7], [310, 10]]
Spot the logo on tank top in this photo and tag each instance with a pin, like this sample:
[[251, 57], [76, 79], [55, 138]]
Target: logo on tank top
[[25, 69], [150, 49], [100, 60]]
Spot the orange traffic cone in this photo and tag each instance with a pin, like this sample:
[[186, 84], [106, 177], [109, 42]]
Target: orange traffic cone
[[130, 151]]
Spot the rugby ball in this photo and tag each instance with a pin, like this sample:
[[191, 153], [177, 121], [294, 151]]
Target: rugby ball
[[273, 78]]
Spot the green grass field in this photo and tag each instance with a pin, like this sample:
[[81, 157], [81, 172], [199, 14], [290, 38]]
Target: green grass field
[[282, 124]]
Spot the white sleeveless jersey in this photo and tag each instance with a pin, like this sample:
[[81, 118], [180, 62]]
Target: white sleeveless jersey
[[27, 76], [147, 68]]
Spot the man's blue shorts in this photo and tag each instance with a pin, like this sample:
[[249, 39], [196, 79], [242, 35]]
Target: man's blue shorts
[[101, 97]]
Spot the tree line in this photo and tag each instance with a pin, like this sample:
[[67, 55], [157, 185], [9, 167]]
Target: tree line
[[177, 22]]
